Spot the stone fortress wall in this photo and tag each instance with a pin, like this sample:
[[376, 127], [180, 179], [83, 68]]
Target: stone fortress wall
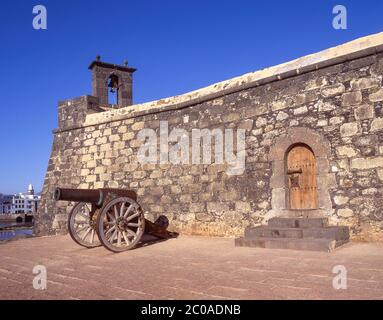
[[331, 101]]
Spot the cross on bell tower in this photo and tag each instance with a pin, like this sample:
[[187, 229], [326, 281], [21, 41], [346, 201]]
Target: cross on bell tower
[[111, 78]]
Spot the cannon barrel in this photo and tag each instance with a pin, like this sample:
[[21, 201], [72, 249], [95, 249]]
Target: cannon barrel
[[79, 195], [96, 197]]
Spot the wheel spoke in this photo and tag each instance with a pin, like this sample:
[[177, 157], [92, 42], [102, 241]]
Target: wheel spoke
[[122, 209], [131, 233], [110, 216], [119, 238], [132, 216], [82, 228], [86, 219], [111, 239], [81, 214], [131, 224], [125, 237], [110, 230], [128, 210], [92, 236], [86, 233], [115, 212], [81, 221]]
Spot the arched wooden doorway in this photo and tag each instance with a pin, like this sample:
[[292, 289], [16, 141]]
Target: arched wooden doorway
[[301, 178]]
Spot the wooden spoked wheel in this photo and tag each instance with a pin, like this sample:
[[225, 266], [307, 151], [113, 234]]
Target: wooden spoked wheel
[[120, 224], [82, 226]]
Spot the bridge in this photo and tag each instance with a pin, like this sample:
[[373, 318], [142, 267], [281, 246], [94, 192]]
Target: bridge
[[25, 217]]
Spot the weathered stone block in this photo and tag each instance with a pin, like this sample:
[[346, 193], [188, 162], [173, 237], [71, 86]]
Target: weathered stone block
[[197, 207], [101, 140], [333, 90], [122, 129], [229, 195], [301, 110], [364, 83], [242, 206], [91, 178], [96, 134], [336, 120], [322, 123], [186, 198], [376, 96], [217, 208], [366, 163], [89, 142], [128, 136], [203, 217], [279, 105], [351, 98], [91, 164], [99, 170], [138, 126], [260, 122], [349, 129], [246, 125], [114, 137], [341, 200], [175, 189], [364, 112], [345, 213], [231, 117], [325, 106], [282, 116], [377, 125], [305, 97], [346, 151], [316, 83]]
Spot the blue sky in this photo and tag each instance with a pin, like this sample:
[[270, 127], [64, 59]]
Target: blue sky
[[177, 46]]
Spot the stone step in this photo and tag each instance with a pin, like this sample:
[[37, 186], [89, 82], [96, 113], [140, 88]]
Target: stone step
[[335, 233], [326, 245], [273, 232], [338, 233], [301, 213], [298, 222]]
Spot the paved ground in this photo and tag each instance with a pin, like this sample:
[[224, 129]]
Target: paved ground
[[187, 268]]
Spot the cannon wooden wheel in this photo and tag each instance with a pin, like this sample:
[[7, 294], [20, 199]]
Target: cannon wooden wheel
[[120, 224], [82, 226]]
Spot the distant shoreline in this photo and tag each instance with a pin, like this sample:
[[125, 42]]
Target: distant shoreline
[[16, 226]]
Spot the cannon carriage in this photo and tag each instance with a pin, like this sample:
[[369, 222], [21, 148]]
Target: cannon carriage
[[109, 217]]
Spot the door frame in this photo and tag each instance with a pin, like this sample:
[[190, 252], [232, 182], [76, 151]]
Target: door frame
[[325, 178]]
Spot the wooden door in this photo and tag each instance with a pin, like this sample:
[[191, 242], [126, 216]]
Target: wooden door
[[302, 183]]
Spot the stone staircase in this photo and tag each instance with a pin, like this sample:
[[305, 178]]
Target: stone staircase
[[295, 233]]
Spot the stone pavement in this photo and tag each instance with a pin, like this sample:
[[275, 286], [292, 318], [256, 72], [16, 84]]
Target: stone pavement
[[189, 267]]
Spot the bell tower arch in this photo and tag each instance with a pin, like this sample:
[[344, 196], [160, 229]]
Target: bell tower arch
[[108, 78]]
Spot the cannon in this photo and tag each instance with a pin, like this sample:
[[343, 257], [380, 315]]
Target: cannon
[[109, 217]]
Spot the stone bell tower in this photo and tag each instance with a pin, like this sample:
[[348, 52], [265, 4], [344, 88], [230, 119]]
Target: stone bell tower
[[108, 78]]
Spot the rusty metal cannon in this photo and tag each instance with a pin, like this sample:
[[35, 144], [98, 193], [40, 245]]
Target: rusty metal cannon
[[111, 217]]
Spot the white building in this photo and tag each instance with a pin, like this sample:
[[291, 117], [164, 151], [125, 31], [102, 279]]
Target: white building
[[19, 203], [5, 204], [25, 202]]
